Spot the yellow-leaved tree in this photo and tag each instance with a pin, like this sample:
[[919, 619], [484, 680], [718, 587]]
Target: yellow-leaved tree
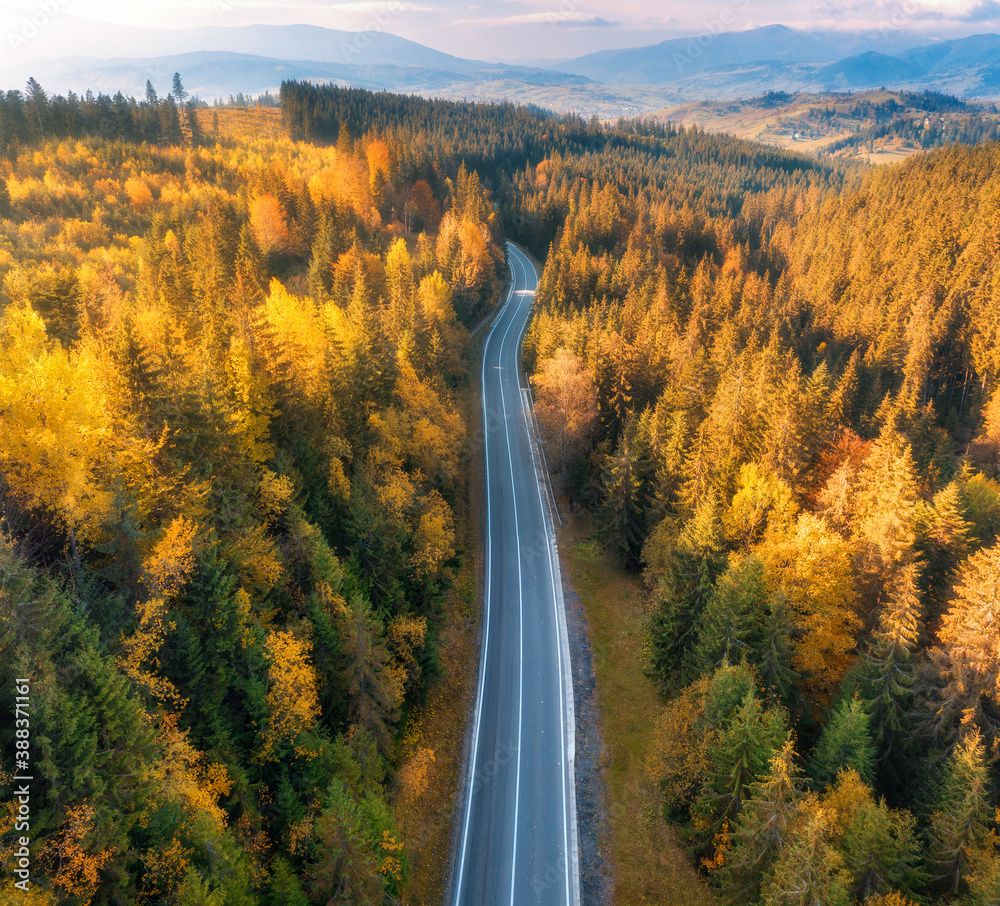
[[269, 223], [406, 635], [292, 691], [444, 339], [298, 332], [811, 565], [762, 500], [969, 655], [434, 538], [165, 572], [188, 778], [886, 494], [249, 414], [52, 424]]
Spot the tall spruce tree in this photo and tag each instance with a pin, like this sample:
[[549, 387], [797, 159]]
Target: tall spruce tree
[[763, 828], [888, 672], [959, 824], [729, 626]]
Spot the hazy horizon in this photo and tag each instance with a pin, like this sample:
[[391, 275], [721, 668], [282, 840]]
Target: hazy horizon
[[508, 31]]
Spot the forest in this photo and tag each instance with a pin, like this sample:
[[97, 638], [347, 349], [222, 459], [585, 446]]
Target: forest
[[922, 132], [231, 453], [782, 406]]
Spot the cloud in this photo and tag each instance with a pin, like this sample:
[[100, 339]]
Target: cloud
[[983, 10], [166, 13], [578, 19], [952, 10], [367, 6], [863, 14], [542, 29], [358, 7]]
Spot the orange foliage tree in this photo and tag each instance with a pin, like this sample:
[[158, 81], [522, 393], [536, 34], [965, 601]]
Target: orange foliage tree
[[269, 223], [566, 407]]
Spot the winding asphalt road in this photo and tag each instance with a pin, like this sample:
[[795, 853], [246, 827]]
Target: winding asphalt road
[[517, 842]]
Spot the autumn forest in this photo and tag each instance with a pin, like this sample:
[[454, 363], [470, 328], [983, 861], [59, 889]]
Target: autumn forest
[[234, 454]]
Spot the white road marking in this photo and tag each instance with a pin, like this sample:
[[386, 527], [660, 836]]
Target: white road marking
[[486, 608], [520, 616], [566, 704]]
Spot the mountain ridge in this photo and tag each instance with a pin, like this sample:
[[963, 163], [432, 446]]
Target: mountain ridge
[[218, 62], [213, 74]]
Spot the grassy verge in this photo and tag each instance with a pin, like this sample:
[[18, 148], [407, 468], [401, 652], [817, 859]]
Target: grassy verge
[[426, 812], [425, 809], [647, 864]]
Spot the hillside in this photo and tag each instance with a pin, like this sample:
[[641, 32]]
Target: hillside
[[880, 125]]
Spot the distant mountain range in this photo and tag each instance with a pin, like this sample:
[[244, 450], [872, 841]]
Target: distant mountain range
[[215, 74], [217, 62], [220, 61], [730, 63], [675, 60]]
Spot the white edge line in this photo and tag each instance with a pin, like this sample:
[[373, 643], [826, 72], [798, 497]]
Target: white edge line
[[545, 460], [565, 666], [573, 875], [471, 777], [520, 602]]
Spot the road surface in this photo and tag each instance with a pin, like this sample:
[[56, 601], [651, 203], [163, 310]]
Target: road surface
[[517, 841]]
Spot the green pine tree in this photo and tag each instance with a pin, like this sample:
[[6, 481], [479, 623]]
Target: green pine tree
[[763, 828], [194, 126], [740, 754], [774, 656], [960, 820], [623, 512], [889, 671], [844, 743], [681, 593], [881, 850], [178, 91], [729, 626], [324, 254], [809, 871], [283, 887], [342, 867]]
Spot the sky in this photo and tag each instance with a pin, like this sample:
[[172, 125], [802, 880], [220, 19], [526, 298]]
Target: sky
[[510, 30]]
